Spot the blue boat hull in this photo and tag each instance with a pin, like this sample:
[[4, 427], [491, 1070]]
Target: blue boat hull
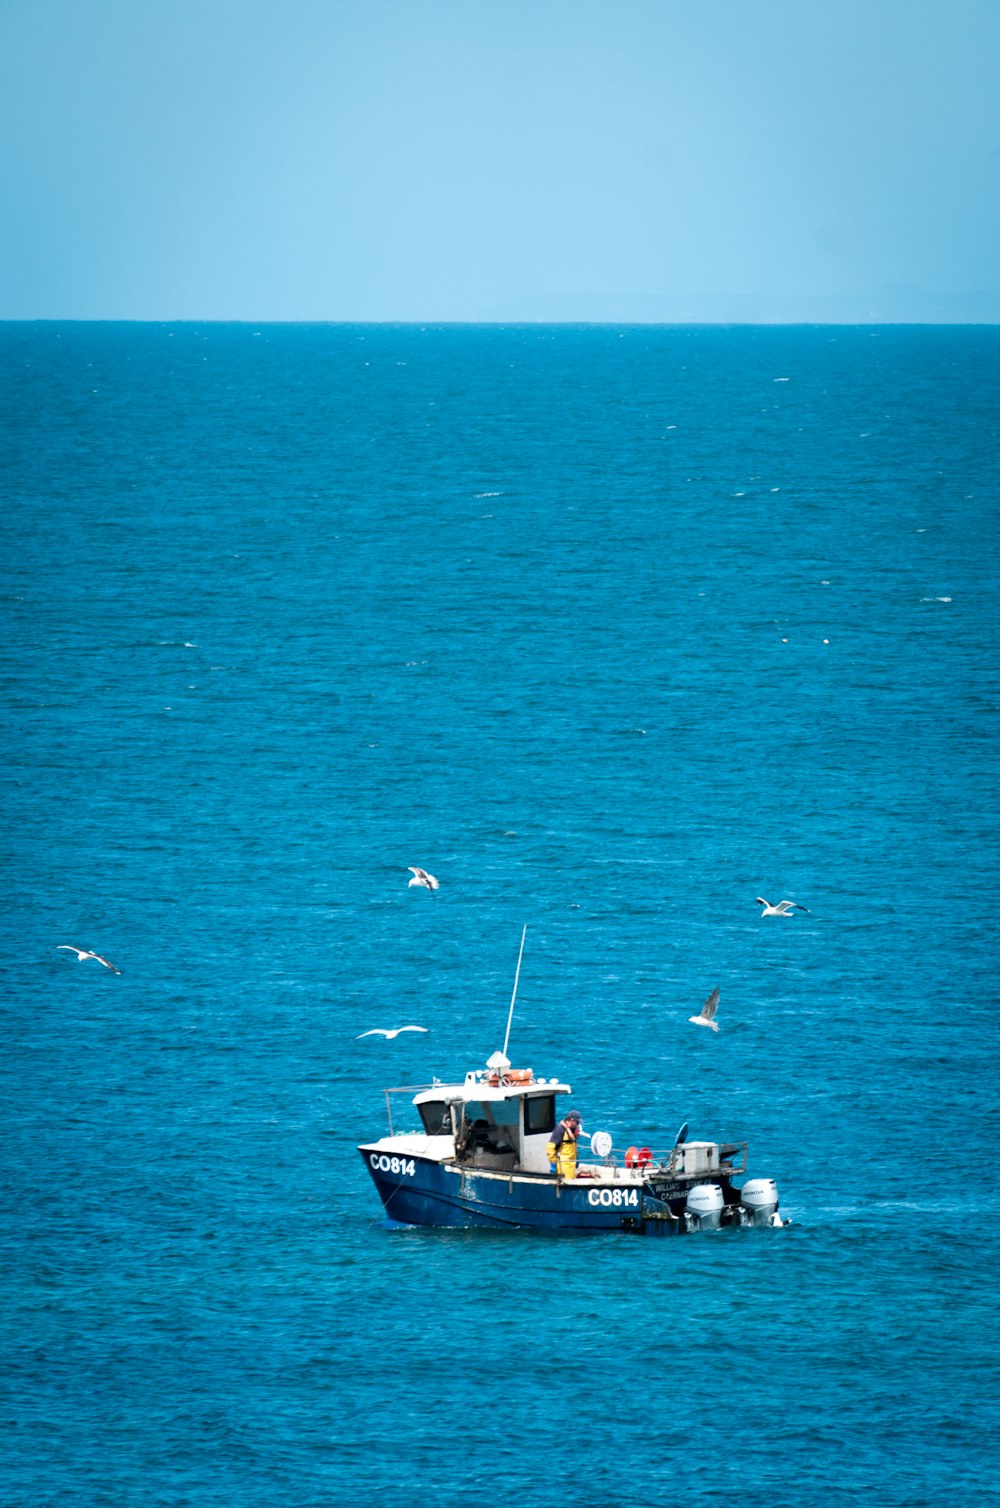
[[420, 1191]]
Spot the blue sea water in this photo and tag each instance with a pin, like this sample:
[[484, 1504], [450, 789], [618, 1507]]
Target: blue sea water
[[613, 630]]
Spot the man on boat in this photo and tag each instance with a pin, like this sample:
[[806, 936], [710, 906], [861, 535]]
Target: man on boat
[[561, 1147]]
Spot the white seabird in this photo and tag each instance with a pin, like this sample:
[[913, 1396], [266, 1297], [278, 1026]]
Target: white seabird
[[381, 1031], [708, 1010], [783, 908], [421, 877], [83, 953]]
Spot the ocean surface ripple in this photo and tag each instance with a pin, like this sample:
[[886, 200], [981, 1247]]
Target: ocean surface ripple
[[612, 630]]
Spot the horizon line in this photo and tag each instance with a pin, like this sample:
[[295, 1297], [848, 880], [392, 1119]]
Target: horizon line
[[675, 324]]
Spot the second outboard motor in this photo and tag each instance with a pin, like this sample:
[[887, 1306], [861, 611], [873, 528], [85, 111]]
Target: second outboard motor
[[703, 1210], [759, 1198]]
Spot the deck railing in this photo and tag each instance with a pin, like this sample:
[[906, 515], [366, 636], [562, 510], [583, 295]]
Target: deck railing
[[403, 1089], [667, 1161]]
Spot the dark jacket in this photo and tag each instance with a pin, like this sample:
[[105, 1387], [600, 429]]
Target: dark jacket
[[565, 1133]]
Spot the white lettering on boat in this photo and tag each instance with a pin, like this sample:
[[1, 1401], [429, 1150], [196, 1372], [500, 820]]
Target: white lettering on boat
[[616, 1197], [398, 1165]]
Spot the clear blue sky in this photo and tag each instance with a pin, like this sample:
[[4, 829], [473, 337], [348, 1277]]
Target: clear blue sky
[[500, 159]]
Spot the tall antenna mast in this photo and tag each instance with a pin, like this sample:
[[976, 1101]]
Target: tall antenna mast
[[517, 975]]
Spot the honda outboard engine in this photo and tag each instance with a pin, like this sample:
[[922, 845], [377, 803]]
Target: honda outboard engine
[[703, 1210], [759, 1198]]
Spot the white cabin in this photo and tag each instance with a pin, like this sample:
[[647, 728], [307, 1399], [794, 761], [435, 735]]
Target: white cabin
[[494, 1120]]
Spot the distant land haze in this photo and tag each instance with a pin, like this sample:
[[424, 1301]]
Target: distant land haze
[[893, 303]]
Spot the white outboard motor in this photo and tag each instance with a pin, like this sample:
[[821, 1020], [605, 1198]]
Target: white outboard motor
[[759, 1199], [703, 1210]]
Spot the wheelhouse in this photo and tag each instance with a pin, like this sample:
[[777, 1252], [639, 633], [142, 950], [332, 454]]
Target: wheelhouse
[[497, 1121]]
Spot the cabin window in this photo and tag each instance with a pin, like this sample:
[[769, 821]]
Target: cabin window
[[436, 1117], [494, 1112], [539, 1114]]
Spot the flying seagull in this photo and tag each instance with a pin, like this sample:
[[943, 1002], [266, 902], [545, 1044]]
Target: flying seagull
[[83, 953], [421, 877], [707, 1016], [783, 908], [381, 1031]]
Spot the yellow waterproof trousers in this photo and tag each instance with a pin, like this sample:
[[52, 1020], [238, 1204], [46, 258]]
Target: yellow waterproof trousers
[[564, 1157]]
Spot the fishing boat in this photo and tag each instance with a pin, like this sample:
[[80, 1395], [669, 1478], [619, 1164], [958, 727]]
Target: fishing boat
[[481, 1157]]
